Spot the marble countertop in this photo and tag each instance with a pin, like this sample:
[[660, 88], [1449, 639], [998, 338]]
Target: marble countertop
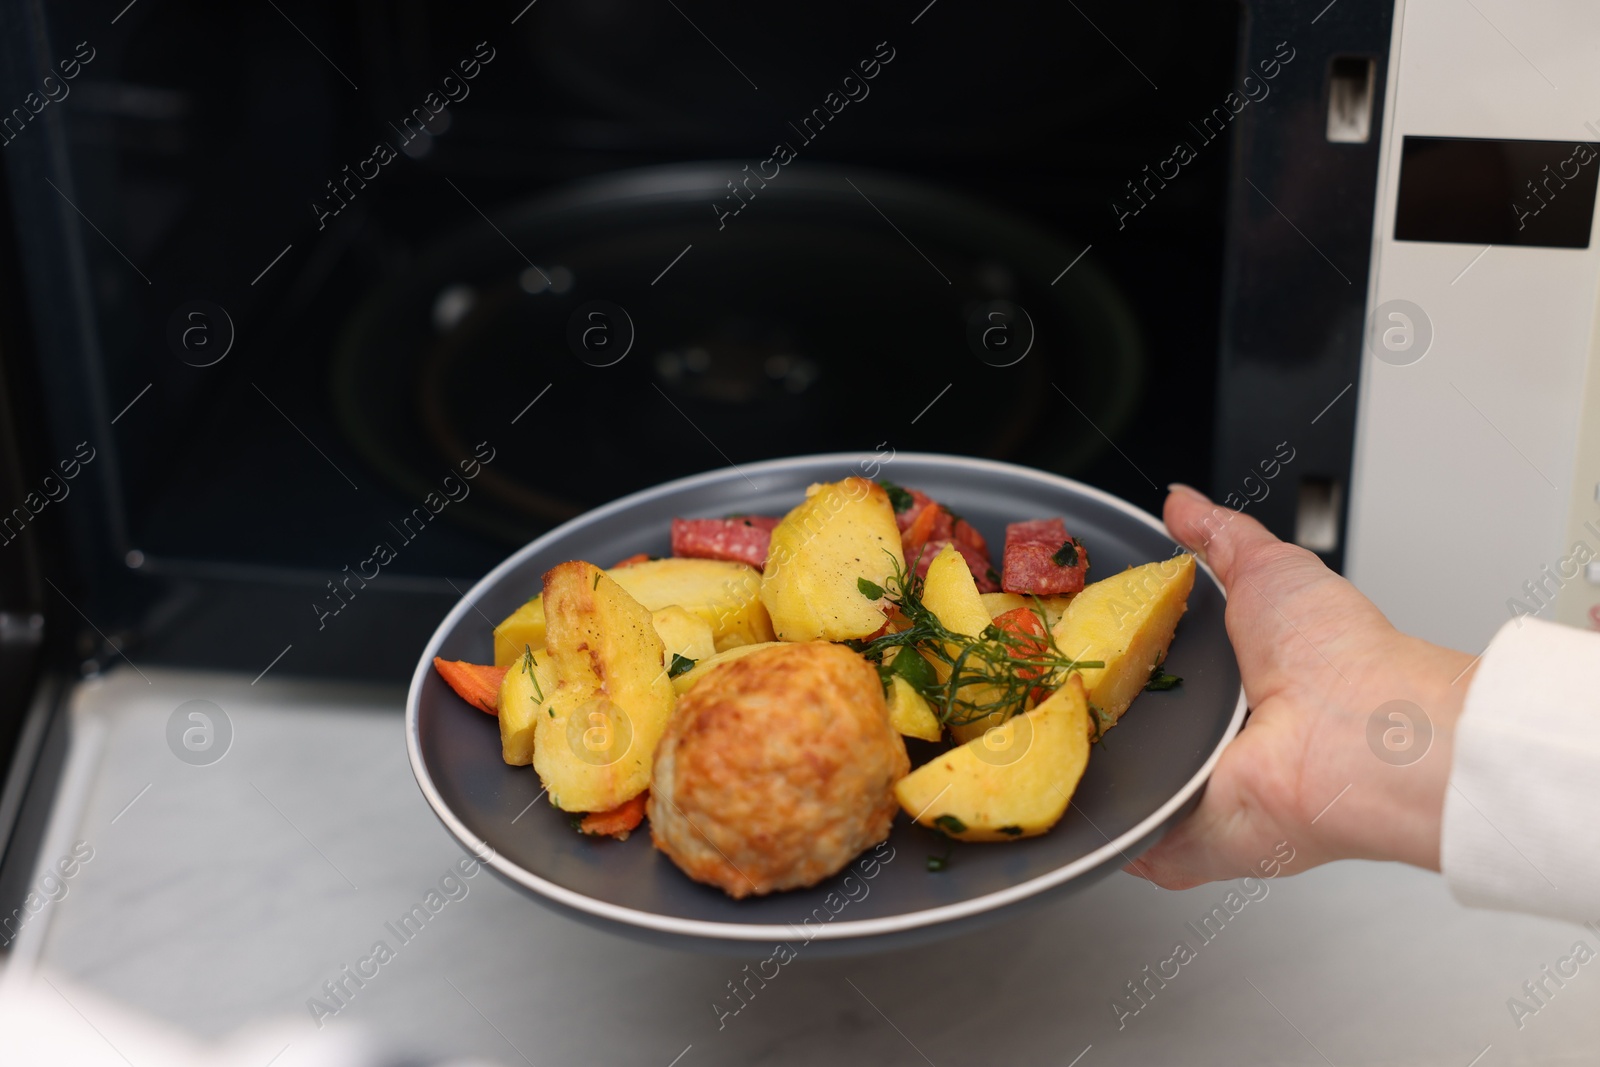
[[222, 897]]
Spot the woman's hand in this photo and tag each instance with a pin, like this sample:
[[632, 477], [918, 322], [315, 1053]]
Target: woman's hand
[[1318, 659]]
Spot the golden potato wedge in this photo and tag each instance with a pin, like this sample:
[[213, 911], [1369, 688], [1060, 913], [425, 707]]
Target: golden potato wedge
[[682, 634], [727, 596], [843, 532], [522, 630], [524, 696], [997, 604], [909, 713], [1126, 621], [612, 698], [1015, 781], [686, 681], [951, 594]]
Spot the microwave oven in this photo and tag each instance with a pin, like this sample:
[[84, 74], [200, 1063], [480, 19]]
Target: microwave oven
[[261, 299]]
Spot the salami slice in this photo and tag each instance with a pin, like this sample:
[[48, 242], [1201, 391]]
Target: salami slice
[[1042, 558], [919, 501], [740, 540], [926, 526]]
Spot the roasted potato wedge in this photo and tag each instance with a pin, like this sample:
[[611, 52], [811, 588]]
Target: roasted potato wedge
[[1015, 781], [950, 592], [909, 713], [727, 596], [1127, 622], [524, 697], [522, 630], [682, 634], [612, 698], [997, 604], [686, 681], [843, 532]]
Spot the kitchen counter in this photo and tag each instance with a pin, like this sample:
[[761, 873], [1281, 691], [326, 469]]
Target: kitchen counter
[[222, 897]]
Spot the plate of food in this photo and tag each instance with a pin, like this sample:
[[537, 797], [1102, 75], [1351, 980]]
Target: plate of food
[[832, 703]]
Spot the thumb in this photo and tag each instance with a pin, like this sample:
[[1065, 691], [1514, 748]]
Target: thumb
[[1288, 614], [1228, 541]]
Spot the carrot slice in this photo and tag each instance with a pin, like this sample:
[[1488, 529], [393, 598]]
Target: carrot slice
[[618, 822], [637, 557], [476, 683], [1025, 622], [968, 534], [920, 532]]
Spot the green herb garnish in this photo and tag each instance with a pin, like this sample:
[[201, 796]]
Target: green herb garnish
[[1066, 555], [869, 589], [990, 674], [533, 675], [597, 575], [1011, 831], [939, 863], [951, 823], [575, 820], [910, 665], [1160, 681], [679, 665], [1102, 721], [899, 499]]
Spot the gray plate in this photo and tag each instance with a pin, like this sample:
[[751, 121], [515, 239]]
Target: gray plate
[[1143, 777]]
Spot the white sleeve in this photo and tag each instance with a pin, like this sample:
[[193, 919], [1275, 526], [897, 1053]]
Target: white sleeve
[[1521, 825]]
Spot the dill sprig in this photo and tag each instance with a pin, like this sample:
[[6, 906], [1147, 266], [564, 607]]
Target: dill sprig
[[988, 675], [533, 676]]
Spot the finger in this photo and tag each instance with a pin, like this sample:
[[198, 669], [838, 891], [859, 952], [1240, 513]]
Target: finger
[[1192, 853], [1224, 538]]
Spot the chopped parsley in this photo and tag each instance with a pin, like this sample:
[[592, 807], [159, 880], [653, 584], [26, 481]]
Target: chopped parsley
[[909, 664], [679, 665], [1011, 831], [1160, 681], [869, 589], [950, 823], [1066, 555], [899, 499], [939, 863]]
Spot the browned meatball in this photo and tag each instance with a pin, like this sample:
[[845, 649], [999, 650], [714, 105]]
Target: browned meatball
[[776, 770]]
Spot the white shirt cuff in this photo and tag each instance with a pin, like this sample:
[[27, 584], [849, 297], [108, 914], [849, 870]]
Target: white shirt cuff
[[1521, 828]]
